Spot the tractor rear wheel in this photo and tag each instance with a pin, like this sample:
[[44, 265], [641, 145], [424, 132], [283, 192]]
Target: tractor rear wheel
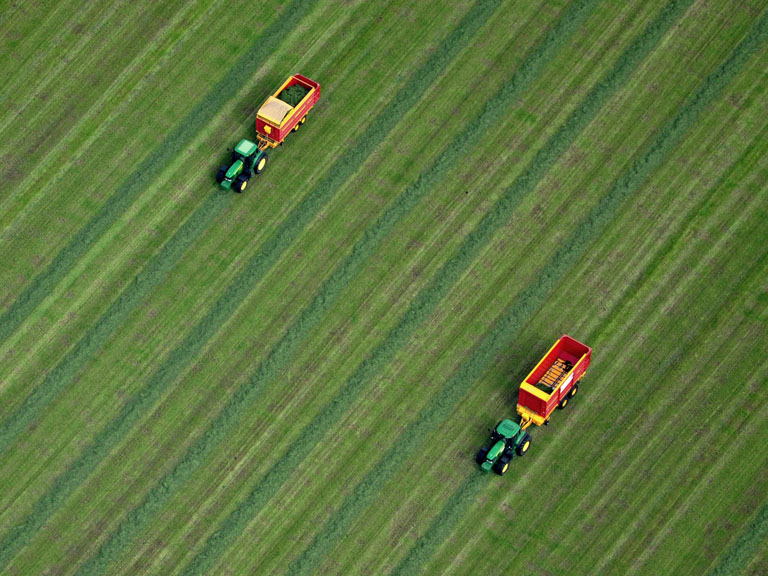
[[240, 184], [524, 445], [563, 403], [261, 163], [573, 391], [222, 173], [480, 458]]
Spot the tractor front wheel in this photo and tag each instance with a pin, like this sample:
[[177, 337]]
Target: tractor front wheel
[[502, 465], [524, 445], [261, 164], [480, 458], [573, 391], [240, 184]]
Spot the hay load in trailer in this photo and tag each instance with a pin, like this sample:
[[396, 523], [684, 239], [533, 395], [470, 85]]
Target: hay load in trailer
[[282, 113], [286, 110]]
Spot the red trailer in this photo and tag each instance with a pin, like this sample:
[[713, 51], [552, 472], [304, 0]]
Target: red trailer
[[276, 118], [553, 381]]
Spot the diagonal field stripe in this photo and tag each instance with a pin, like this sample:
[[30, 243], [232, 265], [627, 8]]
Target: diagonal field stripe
[[255, 269], [150, 168], [155, 272], [310, 316], [746, 546], [569, 253], [462, 499], [274, 478], [534, 172]]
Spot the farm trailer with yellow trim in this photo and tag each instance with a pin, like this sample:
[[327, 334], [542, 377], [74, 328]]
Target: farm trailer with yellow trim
[[276, 118], [551, 384]]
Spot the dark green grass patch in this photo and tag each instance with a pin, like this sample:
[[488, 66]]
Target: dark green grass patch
[[529, 302], [151, 168], [255, 270]]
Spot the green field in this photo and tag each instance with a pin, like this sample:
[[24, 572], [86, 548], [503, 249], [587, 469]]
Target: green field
[[295, 380]]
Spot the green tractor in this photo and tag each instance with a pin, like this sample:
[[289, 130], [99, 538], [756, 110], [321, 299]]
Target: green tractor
[[247, 160], [507, 439]]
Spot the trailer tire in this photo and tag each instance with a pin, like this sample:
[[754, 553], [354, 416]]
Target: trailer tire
[[524, 446], [296, 128], [573, 391], [563, 403], [260, 164], [480, 457], [239, 184], [221, 174], [303, 119]]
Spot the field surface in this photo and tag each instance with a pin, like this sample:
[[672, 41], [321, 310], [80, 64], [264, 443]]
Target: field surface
[[295, 380]]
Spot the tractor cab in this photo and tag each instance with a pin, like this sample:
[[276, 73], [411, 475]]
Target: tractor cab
[[247, 160], [507, 440]]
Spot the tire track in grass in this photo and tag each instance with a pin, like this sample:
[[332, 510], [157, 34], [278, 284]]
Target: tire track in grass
[[133, 295], [332, 288], [256, 268], [458, 504], [567, 255], [151, 167], [150, 277], [556, 146]]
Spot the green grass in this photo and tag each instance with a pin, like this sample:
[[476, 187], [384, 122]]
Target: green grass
[[295, 380]]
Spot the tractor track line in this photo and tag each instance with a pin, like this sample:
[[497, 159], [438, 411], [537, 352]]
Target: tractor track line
[[674, 236], [459, 502], [258, 494], [689, 343], [648, 448], [328, 294], [63, 65], [156, 53], [13, 81], [145, 281], [116, 205], [257, 267], [568, 254], [149, 169], [528, 302]]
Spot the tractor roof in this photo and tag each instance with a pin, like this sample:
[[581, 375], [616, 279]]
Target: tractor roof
[[507, 428], [245, 148]]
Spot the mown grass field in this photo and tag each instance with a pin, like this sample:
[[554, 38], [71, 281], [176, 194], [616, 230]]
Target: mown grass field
[[295, 380]]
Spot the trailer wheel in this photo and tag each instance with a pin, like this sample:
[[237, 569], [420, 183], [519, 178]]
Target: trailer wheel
[[261, 164], [240, 184], [573, 391], [296, 128], [303, 119], [563, 403], [524, 445], [221, 174], [480, 458]]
